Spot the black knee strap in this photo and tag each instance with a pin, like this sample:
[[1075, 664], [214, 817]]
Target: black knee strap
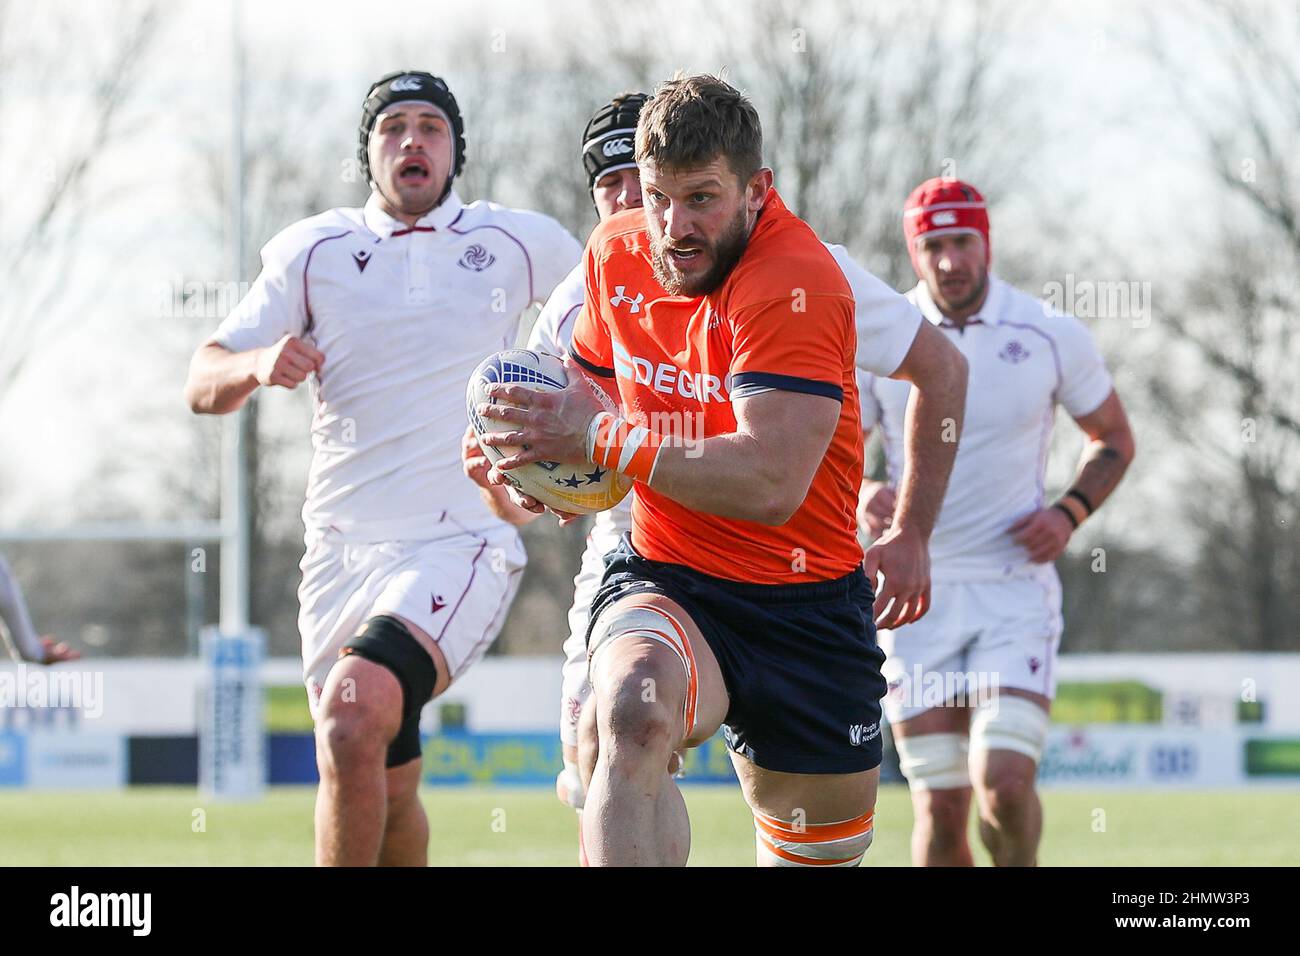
[[388, 642]]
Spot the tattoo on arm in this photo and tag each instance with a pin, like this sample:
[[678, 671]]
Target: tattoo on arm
[[1099, 473]]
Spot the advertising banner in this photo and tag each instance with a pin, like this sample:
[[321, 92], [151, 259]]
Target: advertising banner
[[74, 761], [1140, 757]]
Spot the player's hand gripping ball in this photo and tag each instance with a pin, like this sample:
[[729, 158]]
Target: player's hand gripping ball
[[579, 487]]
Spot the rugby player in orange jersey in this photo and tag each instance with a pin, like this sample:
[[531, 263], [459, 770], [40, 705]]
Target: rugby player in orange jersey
[[724, 330]]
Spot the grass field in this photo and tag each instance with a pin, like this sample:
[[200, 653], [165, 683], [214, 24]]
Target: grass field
[[528, 827]]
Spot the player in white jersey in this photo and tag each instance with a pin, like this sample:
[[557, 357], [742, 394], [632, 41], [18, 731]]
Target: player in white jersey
[[20, 636], [615, 185], [407, 575], [971, 684]]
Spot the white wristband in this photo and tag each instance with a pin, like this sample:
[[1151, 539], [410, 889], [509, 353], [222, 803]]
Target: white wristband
[[589, 445]]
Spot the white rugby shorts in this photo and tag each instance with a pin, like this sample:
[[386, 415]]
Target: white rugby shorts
[[458, 589], [978, 636], [576, 687]]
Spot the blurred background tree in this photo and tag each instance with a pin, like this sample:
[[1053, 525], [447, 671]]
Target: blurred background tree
[[860, 102]]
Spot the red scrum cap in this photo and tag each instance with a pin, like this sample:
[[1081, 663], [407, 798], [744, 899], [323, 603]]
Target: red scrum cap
[[940, 206]]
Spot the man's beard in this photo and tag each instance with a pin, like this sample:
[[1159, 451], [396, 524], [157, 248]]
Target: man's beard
[[980, 285], [725, 252]]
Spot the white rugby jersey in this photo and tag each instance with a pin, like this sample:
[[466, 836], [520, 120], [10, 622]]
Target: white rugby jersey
[[886, 322], [402, 315], [1024, 360], [886, 325], [552, 333]]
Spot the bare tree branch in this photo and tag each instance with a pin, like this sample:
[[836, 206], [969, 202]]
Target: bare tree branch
[[48, 235]]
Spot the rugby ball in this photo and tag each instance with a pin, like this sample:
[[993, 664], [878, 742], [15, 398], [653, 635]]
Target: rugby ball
[[580, 487]]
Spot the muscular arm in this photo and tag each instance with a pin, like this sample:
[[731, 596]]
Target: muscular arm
[[935, 412], [760, 472], [220, 381], [774, 453], [1109, 451]]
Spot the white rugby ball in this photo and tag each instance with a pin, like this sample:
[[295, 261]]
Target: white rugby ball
[[580, 487]]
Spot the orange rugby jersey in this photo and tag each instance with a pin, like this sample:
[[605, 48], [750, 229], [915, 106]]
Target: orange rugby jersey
[[784, 320]]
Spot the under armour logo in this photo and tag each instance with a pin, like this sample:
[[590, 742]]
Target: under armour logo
[[619, 298], [362, 259]]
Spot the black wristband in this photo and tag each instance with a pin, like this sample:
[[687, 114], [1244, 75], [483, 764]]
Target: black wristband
[[1083, 499], [1074, 522]]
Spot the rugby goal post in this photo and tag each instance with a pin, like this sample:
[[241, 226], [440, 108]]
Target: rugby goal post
[[232, 732]]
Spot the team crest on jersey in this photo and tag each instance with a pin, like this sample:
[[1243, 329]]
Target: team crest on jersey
[[1013, 352], [476, 259], [362, 259]]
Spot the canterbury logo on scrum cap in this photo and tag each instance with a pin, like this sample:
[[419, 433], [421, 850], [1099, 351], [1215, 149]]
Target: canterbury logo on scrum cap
[[617, 147], [946, 218], [405, 84]]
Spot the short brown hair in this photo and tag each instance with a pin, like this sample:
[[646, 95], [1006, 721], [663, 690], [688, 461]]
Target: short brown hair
[[692, 120]]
